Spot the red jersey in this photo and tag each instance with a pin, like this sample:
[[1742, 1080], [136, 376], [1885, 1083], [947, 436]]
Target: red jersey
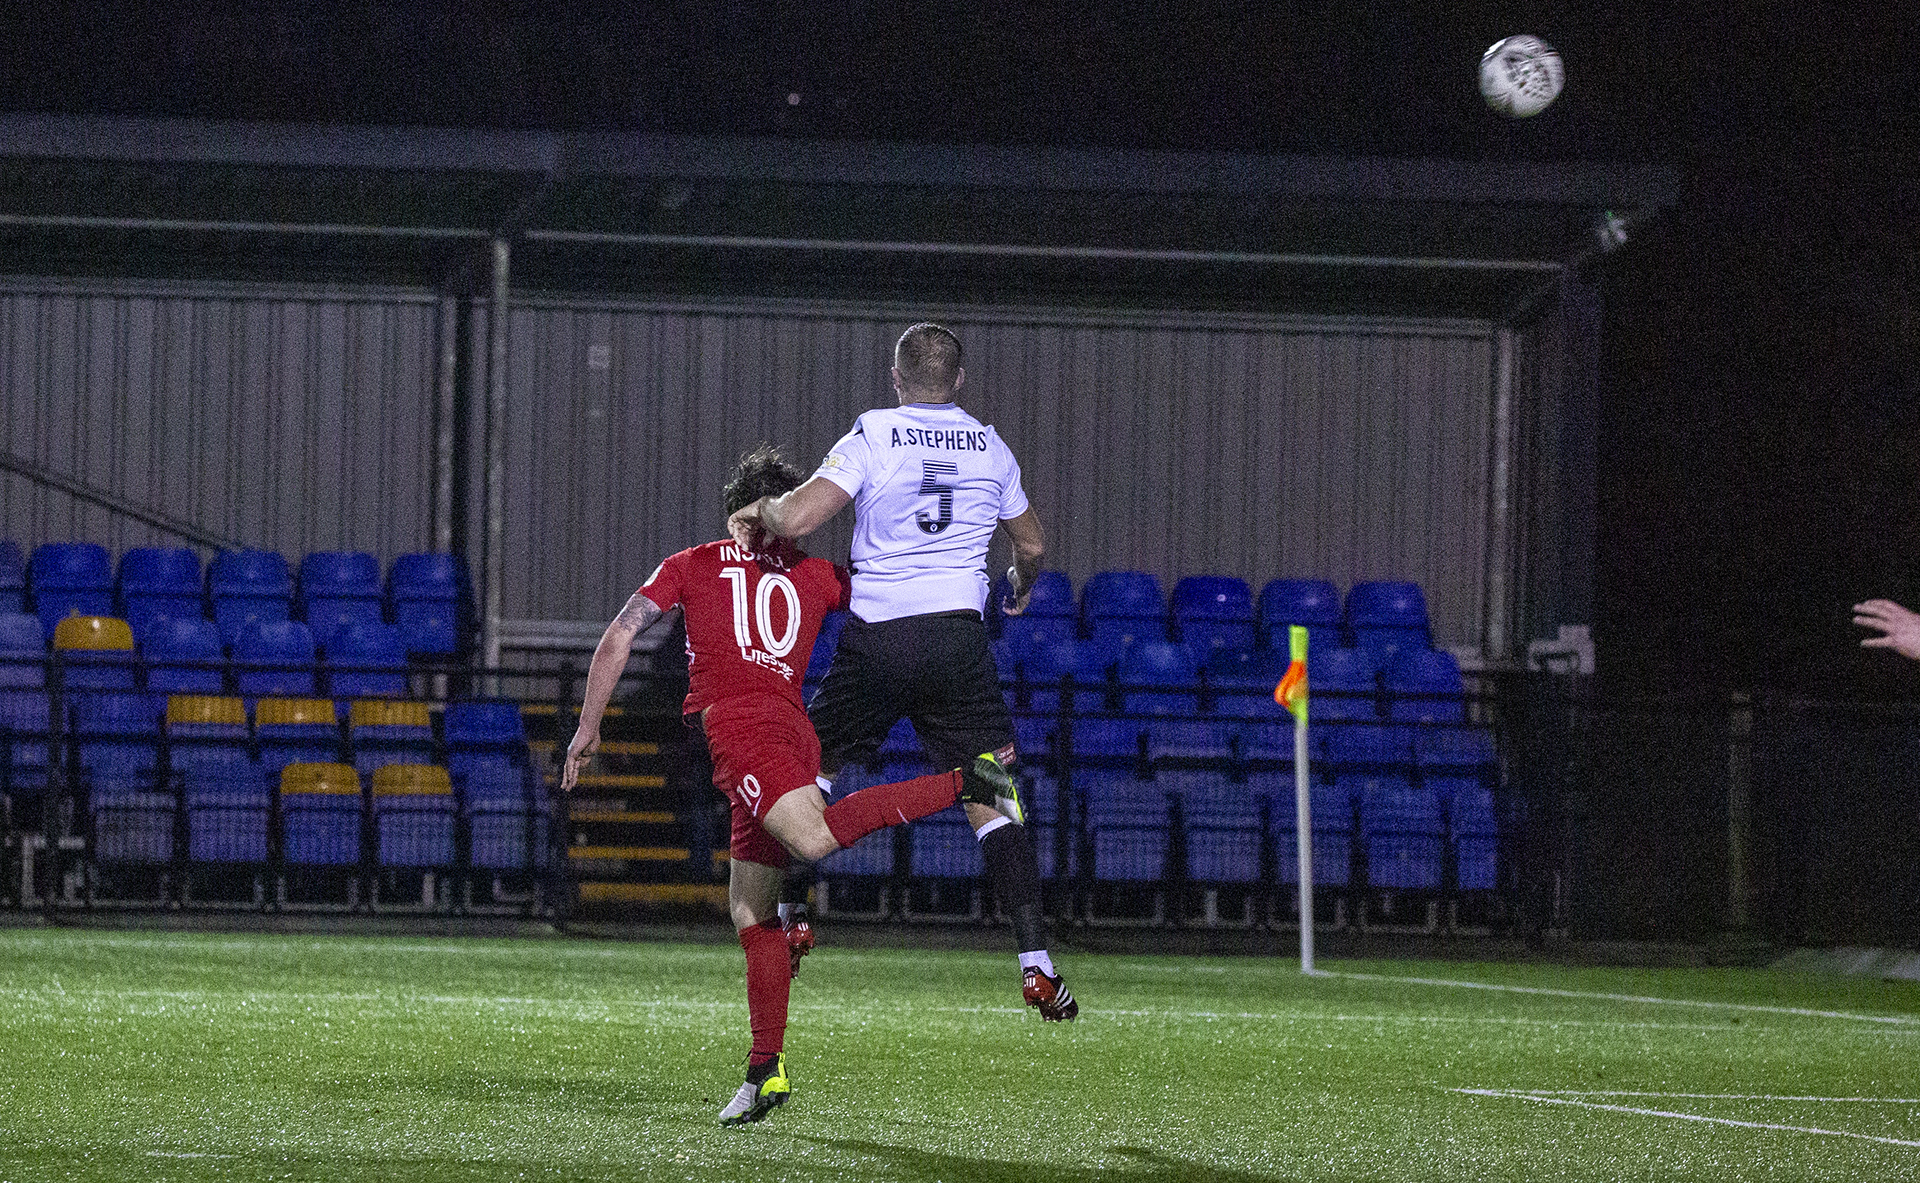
[[751, 618]]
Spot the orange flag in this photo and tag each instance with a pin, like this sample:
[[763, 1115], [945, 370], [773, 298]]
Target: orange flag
[[1291, 693]]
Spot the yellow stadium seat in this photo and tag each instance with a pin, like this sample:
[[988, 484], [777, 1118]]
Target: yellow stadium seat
[[205, 708], [330, 779], [387, 712], [92, 632], [275, 711], [411, 780]]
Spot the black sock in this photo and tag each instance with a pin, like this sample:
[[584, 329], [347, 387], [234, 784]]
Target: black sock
[[797, 883], [1015, 875]]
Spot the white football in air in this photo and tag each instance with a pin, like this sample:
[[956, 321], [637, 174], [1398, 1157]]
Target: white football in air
[[1520, 75]]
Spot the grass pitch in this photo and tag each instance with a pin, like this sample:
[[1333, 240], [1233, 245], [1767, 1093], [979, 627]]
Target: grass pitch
[[131, 1056]]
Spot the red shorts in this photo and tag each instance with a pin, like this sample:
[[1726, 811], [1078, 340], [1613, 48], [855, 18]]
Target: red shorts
[[763, 748]]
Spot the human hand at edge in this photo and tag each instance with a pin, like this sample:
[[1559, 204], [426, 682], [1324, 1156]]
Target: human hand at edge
[[1899, 628]]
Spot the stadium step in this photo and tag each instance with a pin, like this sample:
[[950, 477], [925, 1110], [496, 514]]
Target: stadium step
[[639, 833]]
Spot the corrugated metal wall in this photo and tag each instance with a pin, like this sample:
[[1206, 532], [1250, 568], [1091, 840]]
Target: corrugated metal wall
[[1346, 450], [286, 420]]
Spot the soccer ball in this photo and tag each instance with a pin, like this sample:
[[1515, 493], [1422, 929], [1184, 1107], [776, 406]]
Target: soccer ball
[[1520, 75]]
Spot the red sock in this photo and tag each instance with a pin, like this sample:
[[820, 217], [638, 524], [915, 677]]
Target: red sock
[[876, 807], [768, 979]]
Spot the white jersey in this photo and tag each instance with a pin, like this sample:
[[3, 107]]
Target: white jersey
[[929, 484]]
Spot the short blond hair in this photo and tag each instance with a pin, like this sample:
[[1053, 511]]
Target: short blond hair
[[928, 358]]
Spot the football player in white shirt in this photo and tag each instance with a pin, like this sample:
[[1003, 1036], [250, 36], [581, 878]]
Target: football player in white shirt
[[929, 484]]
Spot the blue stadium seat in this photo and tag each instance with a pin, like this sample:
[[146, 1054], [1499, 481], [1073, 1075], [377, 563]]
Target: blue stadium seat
[[1223, 830], [1212, 597], [506, 830], [1475, 832], [274, 659], [296, 731], [339, 588], [1213, 612], [159, 582], [1403, 830], [1118, 633], [1162, 692], [70, 578], [23, 651], [488, 757], [249, 586], [1040, 797], [1387, 617], [1242, 681], [428, 596], [485, 723], [183, 655], [413, 812], [206, 730], [1122, 593], [320, 814], [228, 807], [97, 652], [1021, 635], [869, 858], [366, 661], [24, 723], [1331, 805], [1090, 667], [117, 735], [1052, 596], [1128, 824], [1343, 707], [13, 579], [943, 844], [382, 732], [1314, 603]]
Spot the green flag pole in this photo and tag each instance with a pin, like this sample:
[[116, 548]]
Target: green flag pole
[[1302, 806]]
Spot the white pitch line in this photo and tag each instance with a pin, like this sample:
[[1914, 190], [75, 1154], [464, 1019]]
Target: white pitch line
[[1720, 1096], [1760, 1008], [1751, 1125]]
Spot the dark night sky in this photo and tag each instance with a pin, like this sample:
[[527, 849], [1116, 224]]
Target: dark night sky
[[1760, 446]]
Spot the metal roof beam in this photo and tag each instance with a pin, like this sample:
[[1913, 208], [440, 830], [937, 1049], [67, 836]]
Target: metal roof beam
[[815, 162]]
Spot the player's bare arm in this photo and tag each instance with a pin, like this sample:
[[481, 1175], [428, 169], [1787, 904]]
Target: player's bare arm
[[609, 661], [1029, 547], [790, 515]]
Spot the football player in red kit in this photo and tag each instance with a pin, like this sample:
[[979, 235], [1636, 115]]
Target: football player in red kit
[[751, 617]]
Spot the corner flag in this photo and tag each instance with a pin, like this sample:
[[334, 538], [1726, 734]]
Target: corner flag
[[1291, 693]]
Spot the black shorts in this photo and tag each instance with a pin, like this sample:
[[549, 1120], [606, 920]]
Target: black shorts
[[934, 670]]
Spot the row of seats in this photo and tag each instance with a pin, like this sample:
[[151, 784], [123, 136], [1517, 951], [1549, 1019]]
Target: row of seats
[[123, 743], [1153, 699], [1215, 612], [426, 598], [182, 654], [1369, 830], [406, 815]]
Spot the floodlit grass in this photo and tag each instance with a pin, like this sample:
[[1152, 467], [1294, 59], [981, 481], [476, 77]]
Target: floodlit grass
[[171, 1056]]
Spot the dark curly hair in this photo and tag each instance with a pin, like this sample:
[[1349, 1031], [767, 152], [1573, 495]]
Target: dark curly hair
[[763, 472]]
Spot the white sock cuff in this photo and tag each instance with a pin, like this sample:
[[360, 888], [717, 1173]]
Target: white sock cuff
[[992, 825], [1038, 959]]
